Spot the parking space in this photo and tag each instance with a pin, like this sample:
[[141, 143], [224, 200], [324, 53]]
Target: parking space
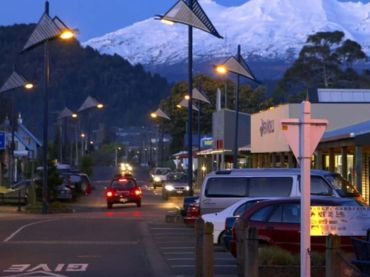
[[176, 243]]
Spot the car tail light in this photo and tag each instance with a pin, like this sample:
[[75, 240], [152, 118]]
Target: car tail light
[[122, 180], [137, 192], [109, 193]]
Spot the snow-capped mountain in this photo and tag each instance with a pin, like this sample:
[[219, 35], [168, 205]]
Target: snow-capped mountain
[[271, 29]]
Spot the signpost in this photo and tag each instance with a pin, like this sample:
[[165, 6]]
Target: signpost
[[340, 220], [2, 140], [303, 135]]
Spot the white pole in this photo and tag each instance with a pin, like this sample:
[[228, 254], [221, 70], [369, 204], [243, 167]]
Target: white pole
[[305, 164]]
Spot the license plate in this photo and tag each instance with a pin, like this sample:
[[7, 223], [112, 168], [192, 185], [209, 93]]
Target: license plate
[[123, 199], [180, 192]]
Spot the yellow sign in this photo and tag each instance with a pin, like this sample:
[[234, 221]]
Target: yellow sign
[[340, 220]]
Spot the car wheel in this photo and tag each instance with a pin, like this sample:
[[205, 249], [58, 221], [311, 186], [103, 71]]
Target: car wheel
[[109, 205], [138, 203]]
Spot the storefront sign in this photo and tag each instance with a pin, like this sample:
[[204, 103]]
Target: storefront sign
[[267, 127], [340, 220], [2, 140]]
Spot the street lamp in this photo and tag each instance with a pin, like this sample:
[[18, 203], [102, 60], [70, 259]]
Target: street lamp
[[62, 120], [159, 114], [190, 13], [46, 30], [12, 83], [238, 66], [87, 107]]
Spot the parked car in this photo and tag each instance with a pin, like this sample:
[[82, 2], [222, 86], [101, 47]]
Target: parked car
[[122, 191], [235, 210], [192, 213], [159, 175], [64, 193], [278, 222], [176, 184], [227, 236], [221, 189], [186, 202]]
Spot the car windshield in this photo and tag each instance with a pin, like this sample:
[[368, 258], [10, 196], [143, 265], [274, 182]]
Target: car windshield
[[177, 177], [161, 171], [342, 186], [123, 184]]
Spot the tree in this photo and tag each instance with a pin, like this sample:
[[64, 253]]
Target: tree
[[322, 62]]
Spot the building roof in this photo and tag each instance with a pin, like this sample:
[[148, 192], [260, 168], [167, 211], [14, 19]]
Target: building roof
[[347, 132]]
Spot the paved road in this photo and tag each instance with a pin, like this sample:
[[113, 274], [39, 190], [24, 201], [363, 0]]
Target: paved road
[[94, 241]]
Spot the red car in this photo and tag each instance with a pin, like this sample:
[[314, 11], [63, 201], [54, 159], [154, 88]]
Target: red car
[[123, 190], [278, 223]]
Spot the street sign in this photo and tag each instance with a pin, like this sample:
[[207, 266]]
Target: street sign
[[303, 135], [2, 140], [340, 220]]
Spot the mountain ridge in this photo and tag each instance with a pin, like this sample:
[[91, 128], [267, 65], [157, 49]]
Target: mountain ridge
[[266, 29]]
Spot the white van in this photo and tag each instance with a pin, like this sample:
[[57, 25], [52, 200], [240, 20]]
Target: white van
[[221, 189]]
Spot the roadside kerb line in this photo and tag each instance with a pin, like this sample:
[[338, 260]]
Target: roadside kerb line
[[27, 225]]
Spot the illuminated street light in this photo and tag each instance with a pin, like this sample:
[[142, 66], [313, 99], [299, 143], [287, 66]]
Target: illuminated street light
[[74, 115], [100, 106], [239, 67], [190, 13], [158, 114], [46, 30], [83, 135]]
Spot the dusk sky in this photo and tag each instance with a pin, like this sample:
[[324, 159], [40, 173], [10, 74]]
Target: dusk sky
[[92, 17]]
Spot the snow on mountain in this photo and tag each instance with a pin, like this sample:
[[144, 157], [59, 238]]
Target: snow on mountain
[[271, 29]]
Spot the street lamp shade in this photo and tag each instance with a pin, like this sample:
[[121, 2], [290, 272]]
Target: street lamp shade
[[15, 81], [238, 67], [66, 113], [200, 96], [160, 113], [192, 16], [90, 102], [48, 29], [185, 103]]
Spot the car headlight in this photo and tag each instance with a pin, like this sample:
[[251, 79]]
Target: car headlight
[[157, 179], [169, 187], [187, 188]]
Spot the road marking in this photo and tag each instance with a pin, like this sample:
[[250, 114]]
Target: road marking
[[178, 253], [74, 242], [27, 225], [191, 266]]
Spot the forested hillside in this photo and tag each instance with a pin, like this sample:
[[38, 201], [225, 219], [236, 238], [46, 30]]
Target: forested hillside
[[127, 91]]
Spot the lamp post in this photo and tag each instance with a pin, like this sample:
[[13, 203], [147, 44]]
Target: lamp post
[[116, 155], [159, 114], [46, 30], [191, 14], [238, 66], [12, 83], [86, 108]]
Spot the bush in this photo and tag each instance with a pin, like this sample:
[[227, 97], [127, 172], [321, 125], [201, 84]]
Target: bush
[[273, 255]]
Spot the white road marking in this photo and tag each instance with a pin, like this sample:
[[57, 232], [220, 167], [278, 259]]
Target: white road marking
[[27, 225], [74, 242], [178, 253]]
